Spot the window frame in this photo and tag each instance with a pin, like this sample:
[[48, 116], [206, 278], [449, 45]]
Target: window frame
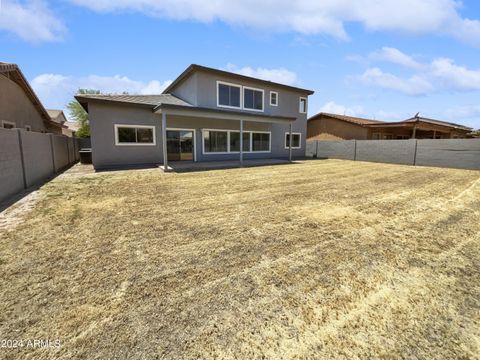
[[276, 93], [300, 105], [299, 140], [229, 84], [118, 143], [254, 89], [9, 123], [228, 131]]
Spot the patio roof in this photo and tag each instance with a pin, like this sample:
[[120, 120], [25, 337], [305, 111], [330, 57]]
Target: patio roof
[[195, 111]]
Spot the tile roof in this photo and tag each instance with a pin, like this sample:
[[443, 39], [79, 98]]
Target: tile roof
[[351, 119], [149, 100]]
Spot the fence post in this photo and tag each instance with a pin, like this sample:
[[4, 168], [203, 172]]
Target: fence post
[[68, 150], [316, 148], [355, 150], [52, 149], [22, 158], [415, 153]]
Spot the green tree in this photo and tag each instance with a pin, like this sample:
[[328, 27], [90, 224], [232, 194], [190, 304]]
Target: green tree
[[78, 113]]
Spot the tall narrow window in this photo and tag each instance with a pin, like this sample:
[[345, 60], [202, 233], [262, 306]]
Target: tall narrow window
[[228, 95], [134, 135], [273, 98], [303, 105], [295, 140], [252, 99]]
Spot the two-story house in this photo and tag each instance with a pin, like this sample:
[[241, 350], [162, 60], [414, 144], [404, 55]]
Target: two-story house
[[204, 115]]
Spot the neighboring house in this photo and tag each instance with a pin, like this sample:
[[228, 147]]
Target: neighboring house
[[324, 126], [204, 115], [72, 127], [19, 106], [58, 117]]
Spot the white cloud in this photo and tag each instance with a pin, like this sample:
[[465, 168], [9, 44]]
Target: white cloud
[[311, 16], [415, 85], [280, 75], [30, 20], [55, 90], [465, 112], [440, 74], [395, 56], [455, 77], [333, 108]]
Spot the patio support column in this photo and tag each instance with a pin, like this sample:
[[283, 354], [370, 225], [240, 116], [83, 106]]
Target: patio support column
[[164, 141], [414, 133], [434, 134], [290, 144], [241, 143]]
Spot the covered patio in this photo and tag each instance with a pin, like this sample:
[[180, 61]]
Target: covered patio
[[416, 128], [233, 119]]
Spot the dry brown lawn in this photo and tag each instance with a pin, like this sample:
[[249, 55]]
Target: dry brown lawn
[[322, 259]]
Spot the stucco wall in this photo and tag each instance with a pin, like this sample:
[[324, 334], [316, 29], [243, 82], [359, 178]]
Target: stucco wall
[[106, 154], [37, 155], [16, 107], [201, 90], [11, 173], [324, 128]]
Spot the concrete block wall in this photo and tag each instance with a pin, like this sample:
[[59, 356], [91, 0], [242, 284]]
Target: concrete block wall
[[37, 157], [28, 158], [387, 151], [11, 170], [336, 149], [452, 153], [455, 153], [60, 151]]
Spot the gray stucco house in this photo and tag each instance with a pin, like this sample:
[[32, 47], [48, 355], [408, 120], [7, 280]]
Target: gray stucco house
[[204, 115]]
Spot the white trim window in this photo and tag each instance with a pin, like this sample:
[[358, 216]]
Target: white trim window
[[303, 105], [221, 141], [253, 99], [273, 98], [229, 95], [134, 135], [28, 128], [8, 124], [297, 140]]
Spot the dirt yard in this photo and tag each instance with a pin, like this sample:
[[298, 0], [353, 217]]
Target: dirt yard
[[323, 259]]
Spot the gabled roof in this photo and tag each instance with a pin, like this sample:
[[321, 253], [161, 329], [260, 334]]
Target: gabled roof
[[13, 72], [350, 119], [57, 116], [194, 67], [149, 101]]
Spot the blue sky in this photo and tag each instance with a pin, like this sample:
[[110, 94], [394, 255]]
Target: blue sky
[[385, 60]]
